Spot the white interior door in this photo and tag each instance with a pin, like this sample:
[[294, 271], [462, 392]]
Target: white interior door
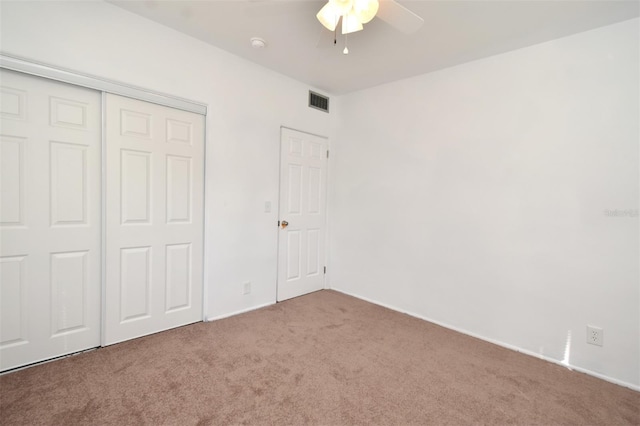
[[154, 218], [301, 240], [49, 219]]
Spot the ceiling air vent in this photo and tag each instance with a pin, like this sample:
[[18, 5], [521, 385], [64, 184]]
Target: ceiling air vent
[[318, 101]]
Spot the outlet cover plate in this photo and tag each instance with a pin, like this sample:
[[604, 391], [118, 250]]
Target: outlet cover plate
[[595, 335]]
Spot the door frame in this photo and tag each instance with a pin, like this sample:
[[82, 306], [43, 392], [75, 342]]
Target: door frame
[[325, 280], [100, 84], [105, 85]]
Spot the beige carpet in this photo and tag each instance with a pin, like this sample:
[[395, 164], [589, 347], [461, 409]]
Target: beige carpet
[[325, 358]]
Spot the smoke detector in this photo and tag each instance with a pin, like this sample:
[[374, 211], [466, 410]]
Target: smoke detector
[[258, 43]]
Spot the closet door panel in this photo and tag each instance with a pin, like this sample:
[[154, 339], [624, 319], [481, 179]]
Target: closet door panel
[[50, 250], [154, 219]]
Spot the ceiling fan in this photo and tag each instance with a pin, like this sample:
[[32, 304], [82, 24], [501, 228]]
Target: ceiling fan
[[355, 13]]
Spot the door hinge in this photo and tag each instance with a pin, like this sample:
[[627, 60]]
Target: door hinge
[[325, 269], [327, 153]]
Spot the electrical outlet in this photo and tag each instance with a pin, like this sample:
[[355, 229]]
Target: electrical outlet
[[595, 335], [246, 287]]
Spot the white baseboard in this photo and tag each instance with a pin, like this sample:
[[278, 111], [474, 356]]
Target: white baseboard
[[499, 343], [242, 311]]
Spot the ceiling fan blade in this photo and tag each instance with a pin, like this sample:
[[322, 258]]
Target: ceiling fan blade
[[399, 16]]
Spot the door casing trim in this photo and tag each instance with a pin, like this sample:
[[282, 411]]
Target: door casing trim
[[28, 66]]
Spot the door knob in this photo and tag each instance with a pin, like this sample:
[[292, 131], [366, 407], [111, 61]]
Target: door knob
[[284, 224]]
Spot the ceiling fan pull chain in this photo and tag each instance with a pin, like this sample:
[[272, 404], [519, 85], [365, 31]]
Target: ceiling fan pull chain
[[346, 49]]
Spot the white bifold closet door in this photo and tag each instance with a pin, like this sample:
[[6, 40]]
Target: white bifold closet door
[[49, 219], [154, 218]]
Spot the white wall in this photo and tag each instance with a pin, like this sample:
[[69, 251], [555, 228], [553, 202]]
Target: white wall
[[475, 197], [247, 106]]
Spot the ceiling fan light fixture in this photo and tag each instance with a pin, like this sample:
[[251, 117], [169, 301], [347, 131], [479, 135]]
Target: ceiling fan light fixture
[[351, 23], [365, 9], [328, 16], [342, 7]]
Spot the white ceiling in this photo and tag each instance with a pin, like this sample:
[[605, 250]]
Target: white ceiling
[[454, 32]]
